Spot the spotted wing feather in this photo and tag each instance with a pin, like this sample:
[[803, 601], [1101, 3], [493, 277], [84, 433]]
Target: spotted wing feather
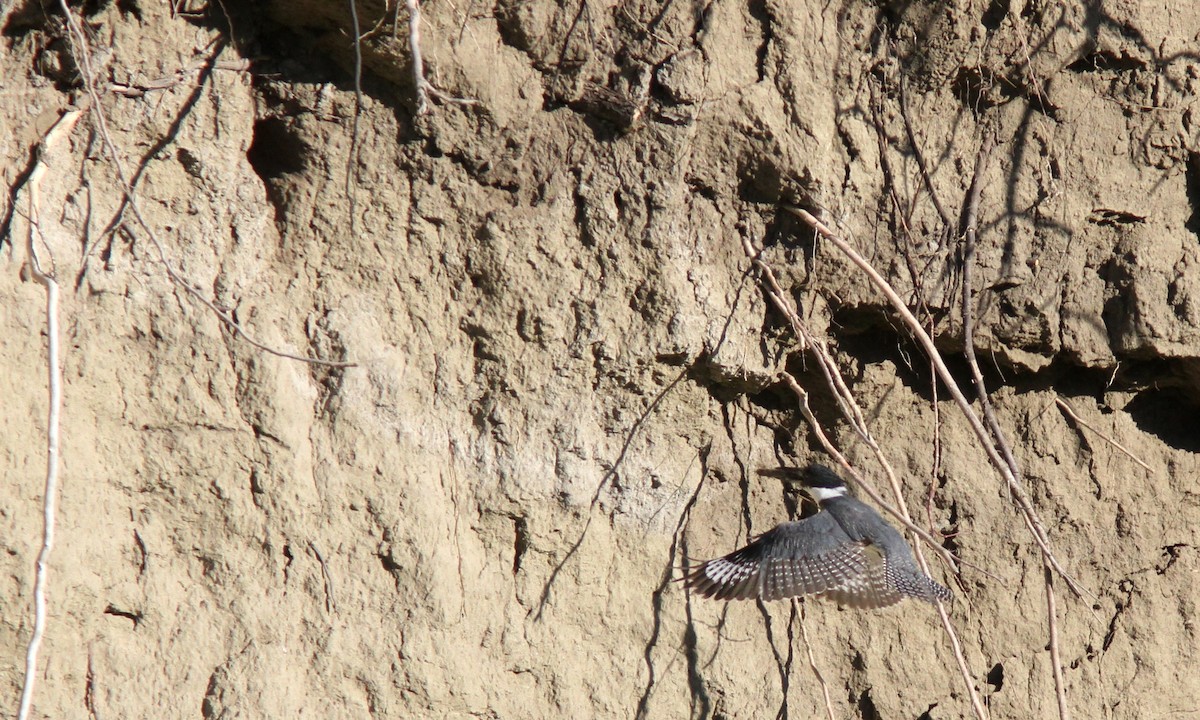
[[869, 589], [915, 584], [886, 583], [807, 557]]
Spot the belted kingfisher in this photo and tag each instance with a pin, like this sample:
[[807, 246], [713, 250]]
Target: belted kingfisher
[[846, 552]]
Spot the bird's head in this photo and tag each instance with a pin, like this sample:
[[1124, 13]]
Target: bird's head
[[818, 481]]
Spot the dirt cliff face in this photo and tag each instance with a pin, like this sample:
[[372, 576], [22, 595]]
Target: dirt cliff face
[[566, 370]]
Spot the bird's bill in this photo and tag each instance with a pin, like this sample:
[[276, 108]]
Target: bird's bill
[[794, 475]]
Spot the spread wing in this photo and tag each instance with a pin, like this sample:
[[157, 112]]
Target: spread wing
[[870, 588], [807, 557]]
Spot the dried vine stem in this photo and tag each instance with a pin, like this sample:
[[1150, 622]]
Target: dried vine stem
[[1032, 521], [970, 222], [180, 76], [853, 414], [812, 661], [1060, 687], [801, 330], [1083, 423], [968, 258], [947, 626], [45, 277], [936, 469], [424, 88], [82, 55], [351, 188]]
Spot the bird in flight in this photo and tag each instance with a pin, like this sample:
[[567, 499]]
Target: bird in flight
[[845, 552]]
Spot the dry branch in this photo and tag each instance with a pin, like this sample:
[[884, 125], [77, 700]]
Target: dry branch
[[853, 414], [1023, 502], [424, 88], [1083, 423], [1060, 687], [812, 661], [969, 231], [970, 222], [60, 129]]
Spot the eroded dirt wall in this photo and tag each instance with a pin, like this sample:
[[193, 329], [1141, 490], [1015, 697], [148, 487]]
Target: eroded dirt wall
[[566, 372]]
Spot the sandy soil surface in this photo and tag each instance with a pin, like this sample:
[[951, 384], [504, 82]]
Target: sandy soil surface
[[566, 371]]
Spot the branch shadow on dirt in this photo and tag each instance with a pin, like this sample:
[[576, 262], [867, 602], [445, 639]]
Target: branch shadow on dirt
[[688, 370], [701, 703], [604, 481], [203, 75]]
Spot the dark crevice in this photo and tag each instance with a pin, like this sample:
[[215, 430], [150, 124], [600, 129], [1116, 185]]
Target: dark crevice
[[1191, 177], [866, 707], [130, 7], [1107, 217], [994, 15], [995, 677], [287, 565], [134, 617], [277, 149], [982, 88], [1105, 60], [950, 533], [977, 86], [520, 542], [1126, 586], [25, 18], [1169, 415], [758, 10], [211, 706], [587, 237], [388, 562], [1170, 554], [142, 555], [261, 432], [858, 663]]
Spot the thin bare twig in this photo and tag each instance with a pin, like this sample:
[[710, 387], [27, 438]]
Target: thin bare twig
[[1060, 686], [352, 160], [955, 644], [969, 231], [422, 85], [812, 661], [936, 470], [424, 88], [60, 129], [1071, 413], [970, 221], [853, 414], [1033, 522], [79, 50]]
